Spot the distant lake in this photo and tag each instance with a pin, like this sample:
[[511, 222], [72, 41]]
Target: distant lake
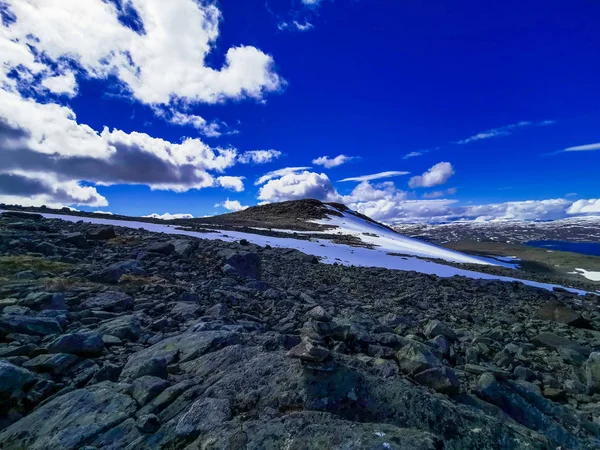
[[585, 248]]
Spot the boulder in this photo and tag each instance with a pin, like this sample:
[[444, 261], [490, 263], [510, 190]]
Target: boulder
[[245, 264], [78, 344], [125, 327], [319, 314], [44, 300], [412, 359], [436, 328], [71, 420], [203, 416], [164, 248], [14, 380], [592, 373], [558, 312], [76, 239], [113, 273], [554, 342], [38, 326], [109, 301], [103, 234], [440, 379], [58, 363], [146, 388]]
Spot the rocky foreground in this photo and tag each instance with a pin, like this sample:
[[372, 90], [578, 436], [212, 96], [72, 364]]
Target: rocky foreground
[[124, 339]]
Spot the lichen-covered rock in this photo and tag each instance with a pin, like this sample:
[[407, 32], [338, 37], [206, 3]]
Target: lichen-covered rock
[[70, 420]]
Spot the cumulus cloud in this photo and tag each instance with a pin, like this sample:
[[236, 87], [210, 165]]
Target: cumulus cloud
[[376, 176], [62, 84], [204, 127], [232, 205], [38, 138], [296, 186], [386, 203], [439, 194], [278, 173], [259, 156], [506, 130], [233, 183], [168, 216], [591, 206], [436, 175], [583, 148], [176, 35], [328, 162]]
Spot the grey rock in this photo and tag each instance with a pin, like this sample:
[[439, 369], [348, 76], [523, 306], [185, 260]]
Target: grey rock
[[184, 247], [592, 373], [154, 367], [558, 312], [108, 372], [109, 301], [146, 388], [204, 415], [78, 344], [103, 234], [44, 300], [180, 349], [58, 363], [148, 423], [441, 379], [126, 328], [554, 341], [69, 421], [436, 328], [164, 248], [77, 239], [245, 264], [501, 395], [309, 351], [319, 314], [218, 310], [29, 325], [412, 359], [113, 273], [13, 380]]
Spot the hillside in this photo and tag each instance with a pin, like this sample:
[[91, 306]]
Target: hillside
[[119, 337]]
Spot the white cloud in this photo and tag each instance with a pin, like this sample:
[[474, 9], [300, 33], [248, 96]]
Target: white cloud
[[168, 216], [294, 25], [519, 210], [311, 2], [591, 206], [504, 131], [376, 176], [62, 84], [37, 138], [328, 162], [164, 62], [208, 129], [108, 213], [259, 156], [232, 205], [296, 186], [278, 173], [438, 174], [412, 155], [233, 183], [583, 148]]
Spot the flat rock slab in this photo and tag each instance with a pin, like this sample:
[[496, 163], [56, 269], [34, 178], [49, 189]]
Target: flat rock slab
[[70, 420], [38, 326], [108, 301], [554, 341]]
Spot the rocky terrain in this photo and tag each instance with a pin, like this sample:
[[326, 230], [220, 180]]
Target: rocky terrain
[[575, 229], [117, 338]]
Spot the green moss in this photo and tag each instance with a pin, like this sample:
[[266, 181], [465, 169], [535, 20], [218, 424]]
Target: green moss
[[10, 265]]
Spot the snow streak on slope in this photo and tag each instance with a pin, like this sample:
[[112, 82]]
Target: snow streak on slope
[[329, 253], [391, 242]]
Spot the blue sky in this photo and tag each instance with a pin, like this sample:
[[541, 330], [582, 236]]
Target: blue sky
[[142, 106]]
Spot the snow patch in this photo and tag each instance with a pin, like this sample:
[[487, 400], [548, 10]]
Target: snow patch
[[594, 276], [329, 253]]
